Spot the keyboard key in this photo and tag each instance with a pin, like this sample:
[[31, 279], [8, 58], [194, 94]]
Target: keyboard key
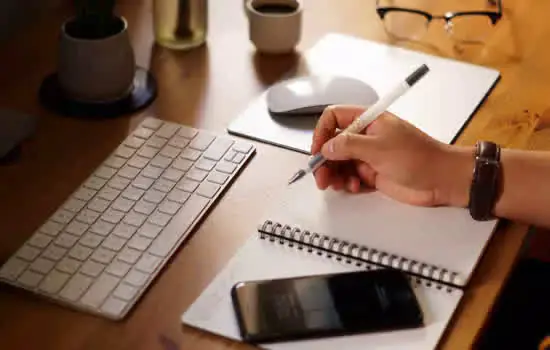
[[187, 185], [122, 204], [149, 230], [164, 185], [170, 151], [147, 152], [124, 230], [151, 123], [118, 268], [28, 253], [161, 161], [129, 255], [196, 174], [217, 177], [138, 162], [114, 243], [30, 279], [87, 216], [98, 204], [74, 205], [217, 149], [92, 268], [51, 228], [136, 278], [239, 157], [108, 193], [154, 196], [128, 172], [201, 141], [159, 218], [134, 142], [91, 240], [148, 263], [226, 167], [205, 164], [76, 286], [139, 242], [53, 282], [113, 306], [187, 132], [125, 291], [230, 155], [167, 130], [167, 240], [172, 174], [143, 133], [207, 189], [134, 218], [119, 182], [40, 240], [103, 255], [105, 172], [95, 183], [144, 207], [65, 240], [182, 164], [115, 162], [84, 194], [113, 216], [242, 147], [42, 265], [132, 193], [68, 265], [178, 196], [151, 172], [124, 151], [169, 207], [142, 182], [102, 227], [62, 216], [76, 228], [178, 141], [54, 252], [156, 142], [190, 154], [13, 268], [79, 252]]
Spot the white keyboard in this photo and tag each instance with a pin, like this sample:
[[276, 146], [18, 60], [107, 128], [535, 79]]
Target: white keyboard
[[105, 244]]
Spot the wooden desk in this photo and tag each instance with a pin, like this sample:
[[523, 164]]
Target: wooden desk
[[196, 89]]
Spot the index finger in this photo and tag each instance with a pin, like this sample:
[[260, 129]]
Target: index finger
[[333, 118]]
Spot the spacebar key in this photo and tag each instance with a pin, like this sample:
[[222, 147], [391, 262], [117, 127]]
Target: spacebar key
[[179, 225]]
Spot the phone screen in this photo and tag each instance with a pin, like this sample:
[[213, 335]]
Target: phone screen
[[325, 305]]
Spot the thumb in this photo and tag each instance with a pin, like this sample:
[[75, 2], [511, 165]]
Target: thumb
[[347, 146]]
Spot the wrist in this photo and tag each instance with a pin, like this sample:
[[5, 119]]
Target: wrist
[[455, 175]]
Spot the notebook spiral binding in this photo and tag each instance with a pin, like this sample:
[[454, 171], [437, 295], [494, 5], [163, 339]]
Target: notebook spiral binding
[[369, 258]]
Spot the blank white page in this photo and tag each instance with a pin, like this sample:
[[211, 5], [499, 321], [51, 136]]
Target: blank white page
[[261, 259], [442, 236]]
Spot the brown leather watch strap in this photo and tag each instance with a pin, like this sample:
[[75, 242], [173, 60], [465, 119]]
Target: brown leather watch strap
[[486, 180]]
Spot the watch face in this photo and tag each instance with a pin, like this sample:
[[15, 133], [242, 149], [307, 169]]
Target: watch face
[[484, 188]]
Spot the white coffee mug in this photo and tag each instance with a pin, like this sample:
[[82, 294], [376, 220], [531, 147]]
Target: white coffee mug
[[275, 26]]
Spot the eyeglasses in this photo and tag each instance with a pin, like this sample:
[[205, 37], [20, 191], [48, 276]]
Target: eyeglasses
[[464, 26]]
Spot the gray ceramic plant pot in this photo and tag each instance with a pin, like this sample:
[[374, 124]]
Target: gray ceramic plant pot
[[96, 69]]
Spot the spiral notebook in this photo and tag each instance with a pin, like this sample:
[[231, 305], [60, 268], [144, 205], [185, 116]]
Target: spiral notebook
[[309, 231]]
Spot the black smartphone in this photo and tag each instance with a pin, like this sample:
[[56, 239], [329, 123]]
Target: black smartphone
[[303, 307]]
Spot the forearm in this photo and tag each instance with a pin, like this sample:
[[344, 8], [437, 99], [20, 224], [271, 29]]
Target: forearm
[[525, 192]]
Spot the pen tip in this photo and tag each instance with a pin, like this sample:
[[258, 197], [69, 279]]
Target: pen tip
[[296, 177]]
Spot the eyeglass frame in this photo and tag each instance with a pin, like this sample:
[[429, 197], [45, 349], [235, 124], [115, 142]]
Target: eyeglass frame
[[494, 16]]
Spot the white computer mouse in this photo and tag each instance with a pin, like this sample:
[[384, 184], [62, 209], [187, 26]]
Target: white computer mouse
[[312, 94]]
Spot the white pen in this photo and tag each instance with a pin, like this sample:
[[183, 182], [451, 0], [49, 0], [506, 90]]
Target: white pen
[[366, 118]]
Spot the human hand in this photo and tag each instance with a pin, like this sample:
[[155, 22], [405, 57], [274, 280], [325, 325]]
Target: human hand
[[392, 156]]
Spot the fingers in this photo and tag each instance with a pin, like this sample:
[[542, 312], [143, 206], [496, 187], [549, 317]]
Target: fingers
[[349, 146], [332, 118]]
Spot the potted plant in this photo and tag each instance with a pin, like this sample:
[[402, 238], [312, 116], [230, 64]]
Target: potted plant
[[96, 61]]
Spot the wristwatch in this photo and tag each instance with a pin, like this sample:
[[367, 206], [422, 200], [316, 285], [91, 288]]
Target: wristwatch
[[486, 180]]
